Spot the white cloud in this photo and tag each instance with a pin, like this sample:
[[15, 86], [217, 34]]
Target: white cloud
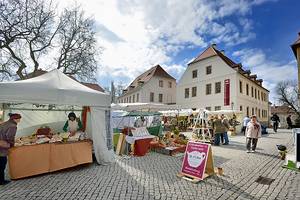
[[137, 34], [271, 71]]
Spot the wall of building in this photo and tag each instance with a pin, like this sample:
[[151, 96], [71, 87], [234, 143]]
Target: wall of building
[[169, 94], [258, 103], [220, 72]]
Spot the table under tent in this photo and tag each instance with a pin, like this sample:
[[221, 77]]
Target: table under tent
[[45, 101]]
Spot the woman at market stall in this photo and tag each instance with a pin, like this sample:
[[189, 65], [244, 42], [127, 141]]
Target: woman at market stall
[[219, 128], [8, 131], [253, 132], [73, 124]]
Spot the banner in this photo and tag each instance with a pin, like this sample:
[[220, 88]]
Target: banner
[[226, 92], [195, 159]]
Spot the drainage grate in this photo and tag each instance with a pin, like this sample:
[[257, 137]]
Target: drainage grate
[[264, 180]]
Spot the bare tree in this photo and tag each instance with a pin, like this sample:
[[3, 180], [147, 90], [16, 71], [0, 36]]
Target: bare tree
[[287, 92], [78, 44], [31, 29]]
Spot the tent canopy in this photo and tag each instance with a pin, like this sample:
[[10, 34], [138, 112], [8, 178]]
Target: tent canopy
[[57, 88], [53, 87]]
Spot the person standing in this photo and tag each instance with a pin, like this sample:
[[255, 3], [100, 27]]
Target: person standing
[[8, 132], [219, 128], [246, 120], [289, 122], [224, 135], [275, 119], [73, 124], [253, 132]]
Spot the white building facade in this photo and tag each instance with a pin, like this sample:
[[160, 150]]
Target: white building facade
[[153, 86], [215, 82]]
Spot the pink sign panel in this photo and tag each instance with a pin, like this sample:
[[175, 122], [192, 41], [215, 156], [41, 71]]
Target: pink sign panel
[[195, 158]]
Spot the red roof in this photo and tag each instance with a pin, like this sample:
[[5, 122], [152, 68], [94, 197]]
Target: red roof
[[296, 45], [213, 51], [284, 109], [157, 70]]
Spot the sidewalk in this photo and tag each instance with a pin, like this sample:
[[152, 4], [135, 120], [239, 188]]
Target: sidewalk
[[154, 177]]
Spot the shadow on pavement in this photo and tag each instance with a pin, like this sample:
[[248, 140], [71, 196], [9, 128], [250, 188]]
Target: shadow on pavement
[[226, 185]]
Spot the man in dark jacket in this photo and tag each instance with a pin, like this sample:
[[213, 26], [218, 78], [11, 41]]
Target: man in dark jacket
[[275, 119], [8, 131], [289, 122]]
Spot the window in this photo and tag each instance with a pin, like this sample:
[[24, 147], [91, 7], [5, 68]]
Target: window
[[258, 112], [170, 84], [186, 92], [208, 70], [247, 89], [255, 94], [218, 87], [194, 91], [258, 94], [217, 108], [195, 73], [252, 95], [160, 98], [208, 88], [161, 83], [252, 111], [241, 108], [133, 98], [208, 108], [247, 111], [130, 99], [241, 87], [151, 96], [137, 97]]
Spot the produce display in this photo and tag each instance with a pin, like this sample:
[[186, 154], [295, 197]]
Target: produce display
[[50, 137]]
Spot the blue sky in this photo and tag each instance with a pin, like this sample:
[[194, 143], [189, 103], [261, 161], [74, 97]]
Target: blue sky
[[137, 34]]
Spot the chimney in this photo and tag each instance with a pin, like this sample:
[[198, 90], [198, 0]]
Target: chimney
[[214, 45], [223, 52]]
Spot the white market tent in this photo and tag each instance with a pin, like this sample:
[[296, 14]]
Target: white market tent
[[55, 88]]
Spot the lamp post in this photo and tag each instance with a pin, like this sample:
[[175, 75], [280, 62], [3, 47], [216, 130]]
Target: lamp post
[[232, 105]]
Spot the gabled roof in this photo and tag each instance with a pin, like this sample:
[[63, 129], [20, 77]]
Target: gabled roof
[[296, 45], [157, 70], [213, 51]]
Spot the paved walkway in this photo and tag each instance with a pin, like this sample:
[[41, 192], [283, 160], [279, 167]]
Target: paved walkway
[[154, 177]]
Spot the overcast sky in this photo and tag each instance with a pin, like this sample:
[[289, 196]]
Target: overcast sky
[[138, 34]]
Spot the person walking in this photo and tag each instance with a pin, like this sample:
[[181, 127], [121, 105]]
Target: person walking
[[253, 132], [8, 131], [289, 122], [275, 119], [245, 122]]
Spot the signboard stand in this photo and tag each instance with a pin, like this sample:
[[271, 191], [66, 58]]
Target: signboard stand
[[191, 170]]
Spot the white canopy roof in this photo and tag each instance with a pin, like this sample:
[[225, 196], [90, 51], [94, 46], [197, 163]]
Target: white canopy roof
[[53, 87], [144, 106]]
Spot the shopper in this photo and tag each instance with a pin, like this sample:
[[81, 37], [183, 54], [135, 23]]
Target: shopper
[[289, 122], [245, 122], [253, 132], [219, 128], [224, 135], [275, 119], [8, 131]]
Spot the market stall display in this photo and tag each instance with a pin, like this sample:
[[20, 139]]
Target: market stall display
[[45, 100]]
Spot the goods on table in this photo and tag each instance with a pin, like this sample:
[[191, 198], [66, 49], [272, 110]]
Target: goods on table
[[38, 138]]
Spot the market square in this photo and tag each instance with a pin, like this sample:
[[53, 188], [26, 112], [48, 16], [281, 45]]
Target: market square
[[149, 100]]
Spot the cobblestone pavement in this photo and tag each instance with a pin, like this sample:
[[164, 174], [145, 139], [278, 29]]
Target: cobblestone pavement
[[154, 177]]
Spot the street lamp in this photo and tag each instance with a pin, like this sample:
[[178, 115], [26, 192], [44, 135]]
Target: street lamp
[[232, 104]]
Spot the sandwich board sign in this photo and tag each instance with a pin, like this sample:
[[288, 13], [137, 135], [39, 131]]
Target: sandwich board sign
[[197, 162]]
